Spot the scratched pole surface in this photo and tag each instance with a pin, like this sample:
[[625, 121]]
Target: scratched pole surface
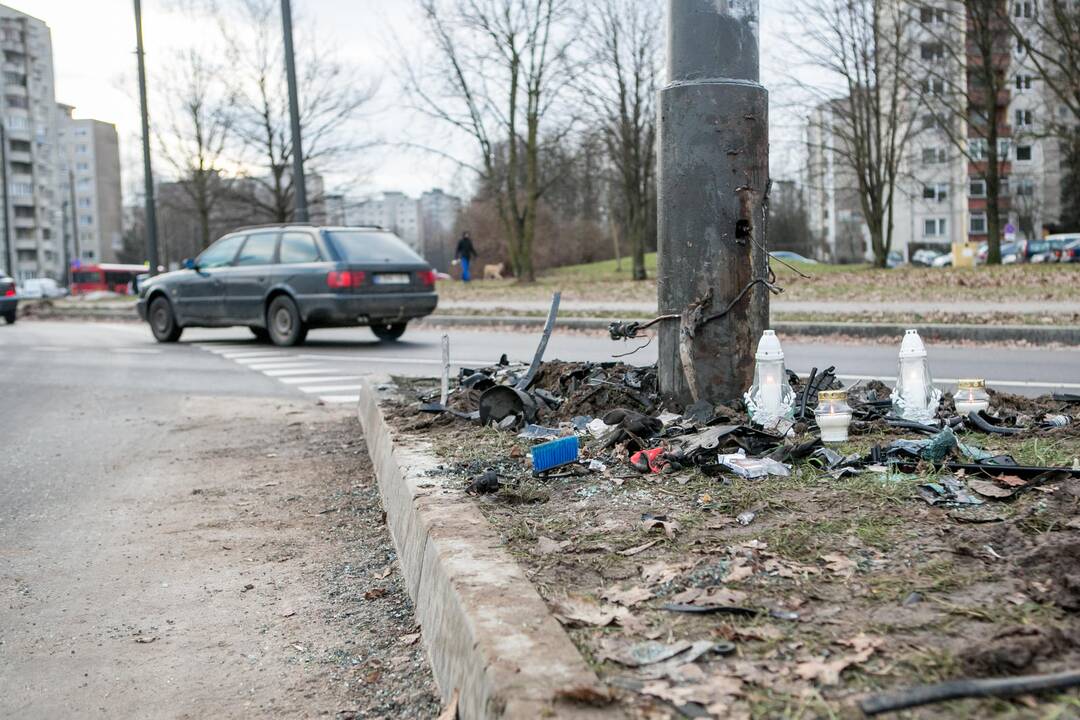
[[714, 169]]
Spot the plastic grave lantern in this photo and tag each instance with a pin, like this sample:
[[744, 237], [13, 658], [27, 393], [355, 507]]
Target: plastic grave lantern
[[915, 397], [770, 399], [971, 396]]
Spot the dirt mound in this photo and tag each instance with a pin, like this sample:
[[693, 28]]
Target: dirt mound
[[1053, 572], [1014, 650]]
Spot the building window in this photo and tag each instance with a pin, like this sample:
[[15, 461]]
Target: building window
[[932, 156], [22, 189], [934, 227], [1023, 83], [933, 86], [86, 219], [85, 202], [977, 149], [930, 15], [937, 192], [18, 122], [1023, 153], [977, 188], [1024, 118], [977, 225], [1025, 187], [82, 148], [82, 167], [932, 51], [1023, 9]]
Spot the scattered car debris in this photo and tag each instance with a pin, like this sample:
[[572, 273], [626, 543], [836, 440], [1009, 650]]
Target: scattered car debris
[[956, 689]]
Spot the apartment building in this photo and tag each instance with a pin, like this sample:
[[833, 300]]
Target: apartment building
[[28, 116], [423, 223], [89, 187], [940, 197]]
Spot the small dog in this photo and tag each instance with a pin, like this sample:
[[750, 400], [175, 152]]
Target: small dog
[[494, 272]]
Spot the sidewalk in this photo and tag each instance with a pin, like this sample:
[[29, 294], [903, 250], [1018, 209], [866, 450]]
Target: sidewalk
[[823, 307]]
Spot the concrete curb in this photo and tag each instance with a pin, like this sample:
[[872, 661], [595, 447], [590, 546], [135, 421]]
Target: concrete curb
[[1034, 334], [487, 631]]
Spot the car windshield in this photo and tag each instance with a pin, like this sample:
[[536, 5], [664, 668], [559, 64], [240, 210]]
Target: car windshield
[[359, 246], [1038, 247]]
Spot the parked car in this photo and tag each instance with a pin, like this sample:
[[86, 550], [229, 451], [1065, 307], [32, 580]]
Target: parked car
[[788, 256], [942, 260], [894, 259], [1037, 251], [9, 299], [925, 257], [283, 280], [1010, 253], [1059, 242], [34, 288], [1071, 251]]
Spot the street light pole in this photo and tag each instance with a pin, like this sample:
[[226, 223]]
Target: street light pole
[[148, 173], [713, 180], [299, 187]]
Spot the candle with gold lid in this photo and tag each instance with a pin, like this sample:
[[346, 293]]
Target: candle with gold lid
[[833, 415], [971, 396]]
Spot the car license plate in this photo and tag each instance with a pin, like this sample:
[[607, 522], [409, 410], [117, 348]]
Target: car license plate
[[392, 279]]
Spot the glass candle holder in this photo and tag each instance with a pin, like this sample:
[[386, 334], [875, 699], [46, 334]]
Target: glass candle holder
[[833, 415], [915, 397], [770, 399], [971, 396]]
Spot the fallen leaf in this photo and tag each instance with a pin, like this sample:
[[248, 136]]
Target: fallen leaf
[[740, 569], [721, 596], [547, 546], [988, 488], [450, 711], [661, 572], [1011, 480], [650, 521], [409, 639], [712, 690], [579, 611], [639, 549], [385, 573], [839, 564], [757, 632], [375, 593], [628, 597], [586, 695], [687, 596], [287, 613], [642, 653], [828, 672]]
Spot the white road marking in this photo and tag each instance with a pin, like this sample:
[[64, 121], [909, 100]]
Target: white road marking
[[339, 399], [310, 379], [137, 351], [989, 382], [51, 348], [395, 360], [249, 355], [316, 389], [301, 371], [263, 366]]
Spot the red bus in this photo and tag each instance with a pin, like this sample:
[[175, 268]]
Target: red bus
[[107, 277]]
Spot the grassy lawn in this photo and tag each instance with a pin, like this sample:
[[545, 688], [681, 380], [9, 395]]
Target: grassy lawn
[[602, 282]]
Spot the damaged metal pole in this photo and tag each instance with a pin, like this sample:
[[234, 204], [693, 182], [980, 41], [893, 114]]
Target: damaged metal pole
[[713, 179], [444, 394]]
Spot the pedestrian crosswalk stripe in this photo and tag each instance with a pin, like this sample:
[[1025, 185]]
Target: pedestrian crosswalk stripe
[[316, 379], [339, 399], [282, 365], [316, 389], [299, 371], [239, 357]]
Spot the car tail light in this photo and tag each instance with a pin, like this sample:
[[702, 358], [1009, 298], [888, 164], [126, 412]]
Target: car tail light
[[10, 291], [344, 279], [427, 278]]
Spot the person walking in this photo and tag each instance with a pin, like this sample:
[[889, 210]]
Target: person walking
[[465, 253]]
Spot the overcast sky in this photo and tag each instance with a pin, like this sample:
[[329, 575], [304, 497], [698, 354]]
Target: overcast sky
[[93, 47]]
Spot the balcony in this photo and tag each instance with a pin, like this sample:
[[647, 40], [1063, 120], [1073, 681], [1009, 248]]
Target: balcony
[[25, 222], [26, 244], [19, 156]]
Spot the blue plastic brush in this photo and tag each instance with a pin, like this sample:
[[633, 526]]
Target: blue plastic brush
[[556, 453]]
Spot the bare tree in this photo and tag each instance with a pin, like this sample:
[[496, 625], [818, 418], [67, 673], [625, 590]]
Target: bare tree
[[500, 66], [964, 89], [864, 109], [1049, 35], [625, 51], [195, 136], [331, 99]]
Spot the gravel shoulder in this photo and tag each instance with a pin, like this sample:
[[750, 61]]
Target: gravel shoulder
[[235, 565]]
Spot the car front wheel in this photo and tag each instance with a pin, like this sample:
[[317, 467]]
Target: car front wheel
[[162, 321], [284, 323], [388, 331]]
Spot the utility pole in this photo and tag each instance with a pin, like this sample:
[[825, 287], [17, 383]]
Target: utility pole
[[148, 173], [299, 187], [74, 215], [9, 244], [713, 178]]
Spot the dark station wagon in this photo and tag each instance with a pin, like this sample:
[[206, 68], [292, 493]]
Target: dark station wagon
[[284, 280]]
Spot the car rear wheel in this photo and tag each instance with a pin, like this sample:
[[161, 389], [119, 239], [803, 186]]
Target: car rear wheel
[[162, 321], [261, 334], [389, 331], [9, 317], [284, 323]]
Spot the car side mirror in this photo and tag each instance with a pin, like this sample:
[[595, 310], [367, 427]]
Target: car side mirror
[[189, 264]]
